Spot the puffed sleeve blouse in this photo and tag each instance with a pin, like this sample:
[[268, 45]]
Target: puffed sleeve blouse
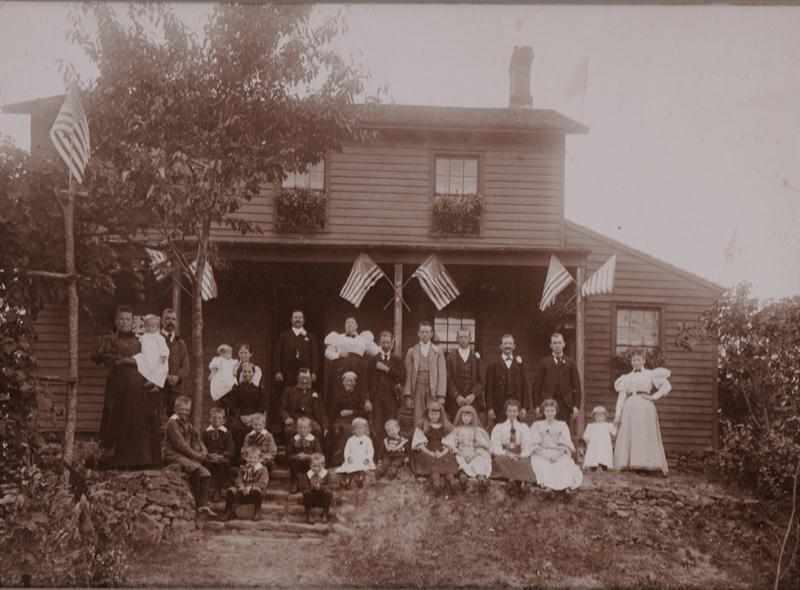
[[644, 381]]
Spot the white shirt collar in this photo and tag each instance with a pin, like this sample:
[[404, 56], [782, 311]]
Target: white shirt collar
[[309, 437], [322, 473], [299, 331], [425, 348], [464, 353], [212, 428]]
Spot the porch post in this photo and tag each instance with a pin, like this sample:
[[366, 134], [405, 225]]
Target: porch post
[[176, 295], [580, 340], [398, 308]]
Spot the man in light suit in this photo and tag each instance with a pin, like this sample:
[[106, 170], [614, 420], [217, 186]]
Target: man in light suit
[[426, 372]]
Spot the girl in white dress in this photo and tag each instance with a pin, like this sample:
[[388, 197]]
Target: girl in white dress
[[470, 443], [223, 372], [359, 455], [639, 444], [597, 436], [552, 446]]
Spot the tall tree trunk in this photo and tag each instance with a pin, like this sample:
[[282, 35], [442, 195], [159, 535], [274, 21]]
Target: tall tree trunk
[[197, 328]]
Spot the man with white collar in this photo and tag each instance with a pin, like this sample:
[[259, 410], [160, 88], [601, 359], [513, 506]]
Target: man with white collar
[[426, 372], [296, 349], [385, 377], [505, 380], [464, 385], [557, 378], [178, 361]]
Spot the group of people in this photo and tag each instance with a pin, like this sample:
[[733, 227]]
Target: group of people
[[373, 412]]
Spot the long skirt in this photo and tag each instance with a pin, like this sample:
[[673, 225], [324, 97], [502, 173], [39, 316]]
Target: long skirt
[[131, 419], [513, 469], [422, 464], [561, 475], [639, 444], [479, 466]]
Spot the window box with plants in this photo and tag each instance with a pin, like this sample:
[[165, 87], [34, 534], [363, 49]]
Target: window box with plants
[[300, 210], [457, 214]]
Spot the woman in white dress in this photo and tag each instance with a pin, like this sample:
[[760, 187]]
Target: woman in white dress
[[639, 444], [552, 447]]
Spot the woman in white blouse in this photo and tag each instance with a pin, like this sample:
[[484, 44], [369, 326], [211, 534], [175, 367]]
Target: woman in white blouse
[[552, 450], [638, 444]]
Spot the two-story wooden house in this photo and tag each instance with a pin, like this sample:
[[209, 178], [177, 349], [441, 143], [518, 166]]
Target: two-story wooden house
[[385, 197]]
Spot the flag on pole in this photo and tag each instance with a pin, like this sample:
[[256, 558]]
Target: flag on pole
[[70, 134], [436, 282], [558, 278], [208, 287], [363, 276], [602, 280], [159, 264]]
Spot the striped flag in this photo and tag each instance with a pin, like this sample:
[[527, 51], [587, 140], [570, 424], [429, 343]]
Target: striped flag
[[602, 281], [363, 276], [70, 134], [159, 264], [558, 278], [208, 287], [436, 282]]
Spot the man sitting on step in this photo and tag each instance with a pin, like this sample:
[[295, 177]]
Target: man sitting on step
[[250, 486]]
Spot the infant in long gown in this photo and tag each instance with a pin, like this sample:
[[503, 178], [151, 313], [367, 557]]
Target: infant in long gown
[[151, 362]]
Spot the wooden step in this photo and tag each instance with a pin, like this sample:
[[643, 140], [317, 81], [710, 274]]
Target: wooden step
[[267, 524]]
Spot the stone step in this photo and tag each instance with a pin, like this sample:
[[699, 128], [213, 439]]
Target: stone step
[[268, 524]]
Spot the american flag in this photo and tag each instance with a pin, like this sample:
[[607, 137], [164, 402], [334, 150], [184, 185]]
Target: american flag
[[208, 287], [602, 281], [363, 276], [558, 278], [436, 282], [159, 264], [70, 134]]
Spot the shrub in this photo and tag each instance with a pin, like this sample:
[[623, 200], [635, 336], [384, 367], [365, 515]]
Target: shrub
[[300, 210], [457, 214]]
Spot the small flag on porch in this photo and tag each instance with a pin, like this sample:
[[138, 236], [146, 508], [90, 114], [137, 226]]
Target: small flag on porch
[[558, 278], [70, 134], [363, 276], [159, 264], [436, 282], [602, 281], [208, 287]]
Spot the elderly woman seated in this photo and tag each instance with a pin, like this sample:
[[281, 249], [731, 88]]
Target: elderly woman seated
[[347, 401]]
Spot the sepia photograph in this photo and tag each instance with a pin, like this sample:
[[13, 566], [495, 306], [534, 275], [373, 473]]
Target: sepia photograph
[[400, 295]]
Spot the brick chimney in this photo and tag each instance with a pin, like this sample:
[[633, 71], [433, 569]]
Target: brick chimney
[[519, 72]]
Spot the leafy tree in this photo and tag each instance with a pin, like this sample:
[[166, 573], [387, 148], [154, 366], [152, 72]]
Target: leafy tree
[[192, 126]]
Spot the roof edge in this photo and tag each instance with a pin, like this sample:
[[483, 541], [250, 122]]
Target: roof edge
[[27, 107], [648, 257]]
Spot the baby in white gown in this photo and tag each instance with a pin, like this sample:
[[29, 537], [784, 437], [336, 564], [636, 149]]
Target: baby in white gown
[[151, 362]]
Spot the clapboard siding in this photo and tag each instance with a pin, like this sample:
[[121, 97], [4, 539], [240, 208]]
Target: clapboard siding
[[51, 351], [382, 192], [688, 414]]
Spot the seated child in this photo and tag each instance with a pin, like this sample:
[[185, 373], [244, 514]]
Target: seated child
[[597, 436], [221, 451], [299, 450], [316, 484], [245, 356], [183, 446], [151, 362], [260, 437], [511, 450], [359, 455], [471, 445], [222, 376], [430, 456], [250, 486], [395, 451]]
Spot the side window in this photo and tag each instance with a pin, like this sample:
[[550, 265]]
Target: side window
[[638, 328], [456, 176], [312, 179]]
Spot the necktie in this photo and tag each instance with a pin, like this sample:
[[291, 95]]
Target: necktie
[[512, 439]]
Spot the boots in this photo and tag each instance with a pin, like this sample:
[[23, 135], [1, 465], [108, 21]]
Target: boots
[[200, 487], [230, 508], [257, 510]]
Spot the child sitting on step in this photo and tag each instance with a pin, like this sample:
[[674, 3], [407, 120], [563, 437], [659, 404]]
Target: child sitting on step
[[260, 437], [470, 444], [221, 451], [359, 455], [299, 450], [316, 484], [250, 486], [395, 451]]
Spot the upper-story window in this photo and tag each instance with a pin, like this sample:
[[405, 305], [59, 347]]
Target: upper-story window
[[312, 179], [638, 328], [456, 176]]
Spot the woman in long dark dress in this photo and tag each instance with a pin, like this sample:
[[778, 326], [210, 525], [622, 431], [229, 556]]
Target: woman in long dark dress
[[130, 423]]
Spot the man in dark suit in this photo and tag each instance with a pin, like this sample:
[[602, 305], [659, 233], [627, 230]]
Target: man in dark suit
[[301, 400], [464, 385], [178, 363], [505, 380], [296, 349], [557, 377], [386, 374]]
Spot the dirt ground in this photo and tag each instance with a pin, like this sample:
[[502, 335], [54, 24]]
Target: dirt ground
[[619, 531]]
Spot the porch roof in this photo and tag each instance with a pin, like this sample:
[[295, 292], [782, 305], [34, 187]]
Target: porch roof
[[407, 254]]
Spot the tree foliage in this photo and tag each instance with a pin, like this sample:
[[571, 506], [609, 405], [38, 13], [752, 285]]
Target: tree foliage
[[191, 126]]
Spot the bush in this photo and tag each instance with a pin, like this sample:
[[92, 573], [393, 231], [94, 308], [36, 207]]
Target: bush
[[300, 210], [457, 214]]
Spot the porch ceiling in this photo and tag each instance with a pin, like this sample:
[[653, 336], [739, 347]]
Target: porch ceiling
[[388, 254]]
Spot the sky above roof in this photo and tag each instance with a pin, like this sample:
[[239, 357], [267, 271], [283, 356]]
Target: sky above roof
[[693, 152]]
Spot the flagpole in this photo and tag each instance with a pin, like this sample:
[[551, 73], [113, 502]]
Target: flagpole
[[398, 308], [73, 311], [580, 338]]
